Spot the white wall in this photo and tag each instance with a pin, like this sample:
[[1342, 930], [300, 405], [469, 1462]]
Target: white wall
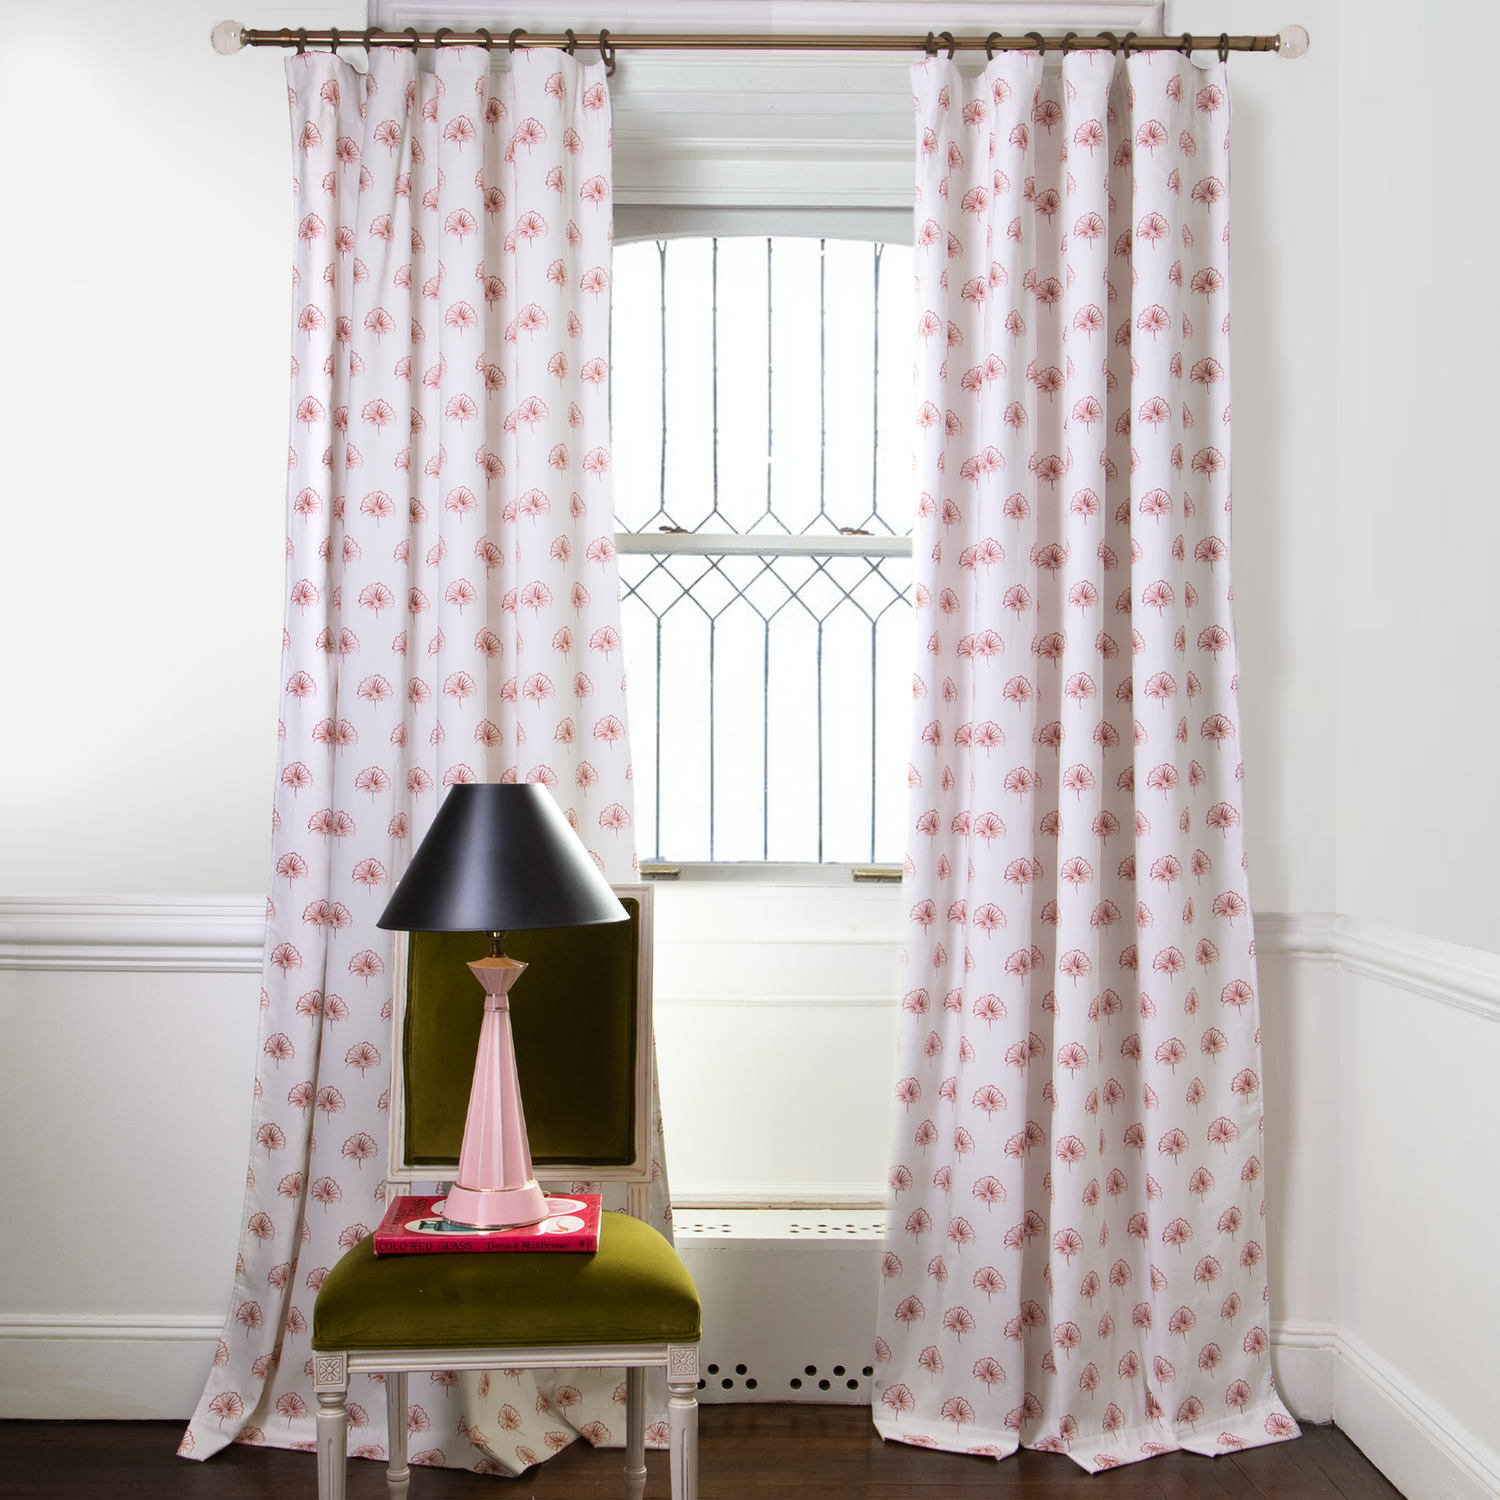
[[1419, 525], [1285, 133], [142, 495], [146, 269], [775, 1030]]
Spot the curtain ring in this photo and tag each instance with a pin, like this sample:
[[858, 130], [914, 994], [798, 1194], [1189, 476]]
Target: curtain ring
[[519, 31], [989, 45], [301, 40], [489, 40], [1114, 43], [1187, 44], [1068, 41], [930, 45], [416, 40], [372, 35], [606, 54], [1125, 45], [1041, 42], [439, 34], [333, 45], [1223, 46], [572, 41], [947, 36]]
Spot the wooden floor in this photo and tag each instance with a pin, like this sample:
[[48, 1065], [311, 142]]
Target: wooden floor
[[745, 1453]]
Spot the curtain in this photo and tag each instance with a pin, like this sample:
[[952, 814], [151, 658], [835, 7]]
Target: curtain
[[1075, 1259], [452, 615]]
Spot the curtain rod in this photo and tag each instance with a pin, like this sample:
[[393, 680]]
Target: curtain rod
[[231, 36]]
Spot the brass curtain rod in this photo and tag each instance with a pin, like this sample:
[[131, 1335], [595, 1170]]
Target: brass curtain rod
[[230, 36]]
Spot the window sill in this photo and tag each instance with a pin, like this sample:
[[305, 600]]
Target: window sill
[[757, 872]]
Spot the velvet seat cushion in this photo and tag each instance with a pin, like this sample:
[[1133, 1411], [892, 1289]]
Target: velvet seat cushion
[[633, 1289]]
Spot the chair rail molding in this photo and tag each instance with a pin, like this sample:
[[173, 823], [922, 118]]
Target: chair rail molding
[[224, 934], [155, 1328], [1466, 978], [133, 934]]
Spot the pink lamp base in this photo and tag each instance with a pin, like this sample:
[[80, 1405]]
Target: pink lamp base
[[495, 1187], [495, 1208]]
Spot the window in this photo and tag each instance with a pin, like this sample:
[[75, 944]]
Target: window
[[761, 418]]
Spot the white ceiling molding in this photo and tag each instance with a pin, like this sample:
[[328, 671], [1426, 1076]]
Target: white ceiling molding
[[787, 135], [849, 17]]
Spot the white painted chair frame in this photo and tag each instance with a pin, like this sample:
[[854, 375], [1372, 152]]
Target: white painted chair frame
[[401, 1176], [331, 1372], [332, 1369]]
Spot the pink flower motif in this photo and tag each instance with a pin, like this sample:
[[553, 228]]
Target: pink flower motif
[[367, 965]]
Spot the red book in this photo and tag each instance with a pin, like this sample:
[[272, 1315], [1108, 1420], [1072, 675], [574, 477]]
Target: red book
[[415, 1226]]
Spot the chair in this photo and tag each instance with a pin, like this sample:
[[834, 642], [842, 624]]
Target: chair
[[582, 1022]]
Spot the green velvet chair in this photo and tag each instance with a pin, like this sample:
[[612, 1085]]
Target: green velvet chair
[[582, 1020]]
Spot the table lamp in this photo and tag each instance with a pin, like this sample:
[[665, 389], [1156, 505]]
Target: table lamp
[[498, 858]]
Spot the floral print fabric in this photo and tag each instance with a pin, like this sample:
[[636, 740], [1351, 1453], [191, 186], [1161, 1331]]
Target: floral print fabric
[[452, 616], [1075, 1255]]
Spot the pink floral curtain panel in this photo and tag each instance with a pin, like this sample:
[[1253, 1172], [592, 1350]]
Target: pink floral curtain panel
[[1076, 1255], [452, 616]]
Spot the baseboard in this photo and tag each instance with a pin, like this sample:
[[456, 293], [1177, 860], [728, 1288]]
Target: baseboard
[[136, 1367], [1410, 1439], [1324, 1374]]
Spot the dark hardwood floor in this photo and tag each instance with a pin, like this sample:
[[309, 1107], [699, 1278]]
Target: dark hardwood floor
[[745, 1453]]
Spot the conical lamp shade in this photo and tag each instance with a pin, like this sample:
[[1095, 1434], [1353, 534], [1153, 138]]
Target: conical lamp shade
[[500, 857]]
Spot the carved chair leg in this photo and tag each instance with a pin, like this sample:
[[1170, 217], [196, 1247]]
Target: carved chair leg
[[635, 1434], [331, 1384], [397, 1474], [682, 1412]]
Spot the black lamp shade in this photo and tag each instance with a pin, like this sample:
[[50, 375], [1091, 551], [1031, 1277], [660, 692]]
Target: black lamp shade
[[500, 857]]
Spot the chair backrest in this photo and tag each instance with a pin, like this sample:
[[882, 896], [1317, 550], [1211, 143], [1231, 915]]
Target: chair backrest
[[581, 1016]]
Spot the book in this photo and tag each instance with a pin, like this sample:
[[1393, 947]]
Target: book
[[416, 1226]]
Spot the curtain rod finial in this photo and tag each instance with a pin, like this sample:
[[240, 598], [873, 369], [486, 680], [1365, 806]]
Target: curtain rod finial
[[228, 37], [1292, 42]]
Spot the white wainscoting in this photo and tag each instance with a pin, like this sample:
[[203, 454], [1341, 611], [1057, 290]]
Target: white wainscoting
[[126, 1070], [1382, 1121], [129, 1027]]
